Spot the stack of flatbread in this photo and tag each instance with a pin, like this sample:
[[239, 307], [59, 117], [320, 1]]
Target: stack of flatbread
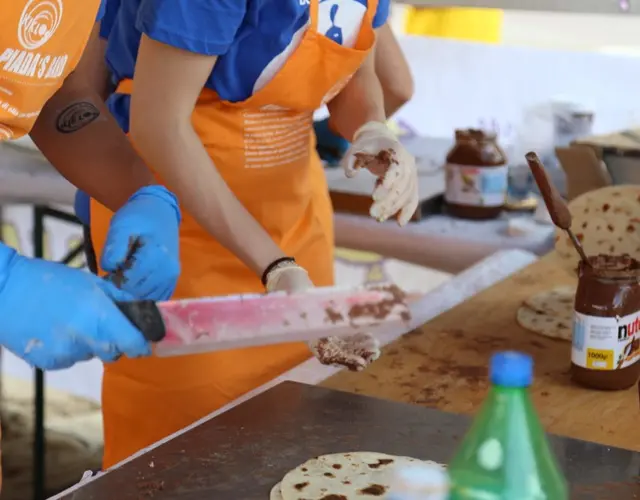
[[606, 221], [343, 476], [549, 313]]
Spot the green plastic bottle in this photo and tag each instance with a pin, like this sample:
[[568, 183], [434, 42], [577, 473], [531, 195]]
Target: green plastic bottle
[[506, 455]]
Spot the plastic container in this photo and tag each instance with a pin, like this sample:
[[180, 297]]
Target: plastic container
[[425, 481], [506, 455]]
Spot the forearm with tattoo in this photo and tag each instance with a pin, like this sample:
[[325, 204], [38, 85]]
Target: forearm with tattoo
[[80, 138], [84, 143]]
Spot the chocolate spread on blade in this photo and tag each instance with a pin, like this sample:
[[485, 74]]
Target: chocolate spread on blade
[[608, 287], [381, 309]]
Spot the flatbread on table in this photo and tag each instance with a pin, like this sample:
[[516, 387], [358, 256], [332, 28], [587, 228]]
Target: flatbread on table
[[276, 493], [357, 475], [544, 324], [606, 221], [555, 302]]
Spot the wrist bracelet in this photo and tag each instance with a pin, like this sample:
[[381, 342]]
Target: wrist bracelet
[[273, 265]]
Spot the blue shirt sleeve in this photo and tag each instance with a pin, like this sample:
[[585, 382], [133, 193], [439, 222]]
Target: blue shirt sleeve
[[101, 9], [202, 26], [110, 12], [382, 13]]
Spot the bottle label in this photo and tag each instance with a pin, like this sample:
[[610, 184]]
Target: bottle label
[[605, 343], [476, 186]]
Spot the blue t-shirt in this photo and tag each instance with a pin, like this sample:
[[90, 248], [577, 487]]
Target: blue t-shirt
[[252, 38], [109, 11], [101, 10]]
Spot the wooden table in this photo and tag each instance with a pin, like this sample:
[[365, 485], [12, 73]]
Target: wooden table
[[444, 364]]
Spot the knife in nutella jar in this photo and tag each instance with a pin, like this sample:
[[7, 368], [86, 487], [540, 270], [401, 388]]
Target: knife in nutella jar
[[557, 207]]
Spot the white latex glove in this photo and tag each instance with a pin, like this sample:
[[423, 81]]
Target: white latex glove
[[376, 148], [355, 352]]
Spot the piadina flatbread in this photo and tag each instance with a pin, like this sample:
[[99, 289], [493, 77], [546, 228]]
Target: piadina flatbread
[[549, 313], [606, 221], [344, 476], [557, 301]]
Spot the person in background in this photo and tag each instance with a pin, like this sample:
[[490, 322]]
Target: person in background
[[218, 96], [397, 86], [459, 23], [54, 316]]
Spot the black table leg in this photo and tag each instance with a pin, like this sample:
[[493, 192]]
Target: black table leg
[[39, 434], [39, 448]]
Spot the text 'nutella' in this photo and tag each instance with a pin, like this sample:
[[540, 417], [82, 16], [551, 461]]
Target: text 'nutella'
[[606, 329]]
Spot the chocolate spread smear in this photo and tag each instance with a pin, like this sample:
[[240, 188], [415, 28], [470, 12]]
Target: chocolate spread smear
[[622, 262], [376, 490], [382, 309], [117, 276], [381, 462], [376, 164], [333, 316]]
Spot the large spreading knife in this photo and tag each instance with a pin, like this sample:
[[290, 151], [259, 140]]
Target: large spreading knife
[[190, 326]]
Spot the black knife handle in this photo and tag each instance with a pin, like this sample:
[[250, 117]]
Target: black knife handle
[[146, 317]]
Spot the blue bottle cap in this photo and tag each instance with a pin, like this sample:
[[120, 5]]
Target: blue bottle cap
[[511, 369]]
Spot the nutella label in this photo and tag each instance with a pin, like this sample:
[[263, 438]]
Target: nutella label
[[605, 343], [476, 186]]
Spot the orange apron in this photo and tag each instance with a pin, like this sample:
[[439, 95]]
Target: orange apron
[[40, 45], [264, 149]]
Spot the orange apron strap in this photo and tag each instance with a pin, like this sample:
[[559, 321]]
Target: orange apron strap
[[125, 86], [314, 7]]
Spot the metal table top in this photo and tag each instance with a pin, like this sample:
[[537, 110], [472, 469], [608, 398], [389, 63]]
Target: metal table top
[[242, 453]]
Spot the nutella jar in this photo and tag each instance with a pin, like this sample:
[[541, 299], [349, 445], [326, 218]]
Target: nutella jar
[[605, 352], [476, 176]]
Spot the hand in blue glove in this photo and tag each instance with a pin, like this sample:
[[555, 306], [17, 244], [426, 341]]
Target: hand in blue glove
[[330, 146], [152, 214], [54, 316]]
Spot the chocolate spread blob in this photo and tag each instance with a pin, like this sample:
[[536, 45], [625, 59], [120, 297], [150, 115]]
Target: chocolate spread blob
[[606, 330]]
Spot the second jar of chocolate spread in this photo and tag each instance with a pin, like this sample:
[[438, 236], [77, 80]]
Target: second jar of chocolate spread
[[476, 176], [605, 352]]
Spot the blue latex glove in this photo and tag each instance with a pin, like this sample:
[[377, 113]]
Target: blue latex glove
[[54, 316], [152, 214], [330, 146]]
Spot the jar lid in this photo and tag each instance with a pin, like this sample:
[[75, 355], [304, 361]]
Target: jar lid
[[475, 134]]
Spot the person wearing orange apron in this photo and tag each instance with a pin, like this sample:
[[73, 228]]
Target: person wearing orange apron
[[54, 316], [230, 87]]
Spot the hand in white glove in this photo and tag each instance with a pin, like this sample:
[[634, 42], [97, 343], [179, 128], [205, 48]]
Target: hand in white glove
[[355, 352], [377, 149]]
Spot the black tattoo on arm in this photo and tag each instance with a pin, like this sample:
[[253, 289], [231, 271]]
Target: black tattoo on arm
[[76, 116]]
